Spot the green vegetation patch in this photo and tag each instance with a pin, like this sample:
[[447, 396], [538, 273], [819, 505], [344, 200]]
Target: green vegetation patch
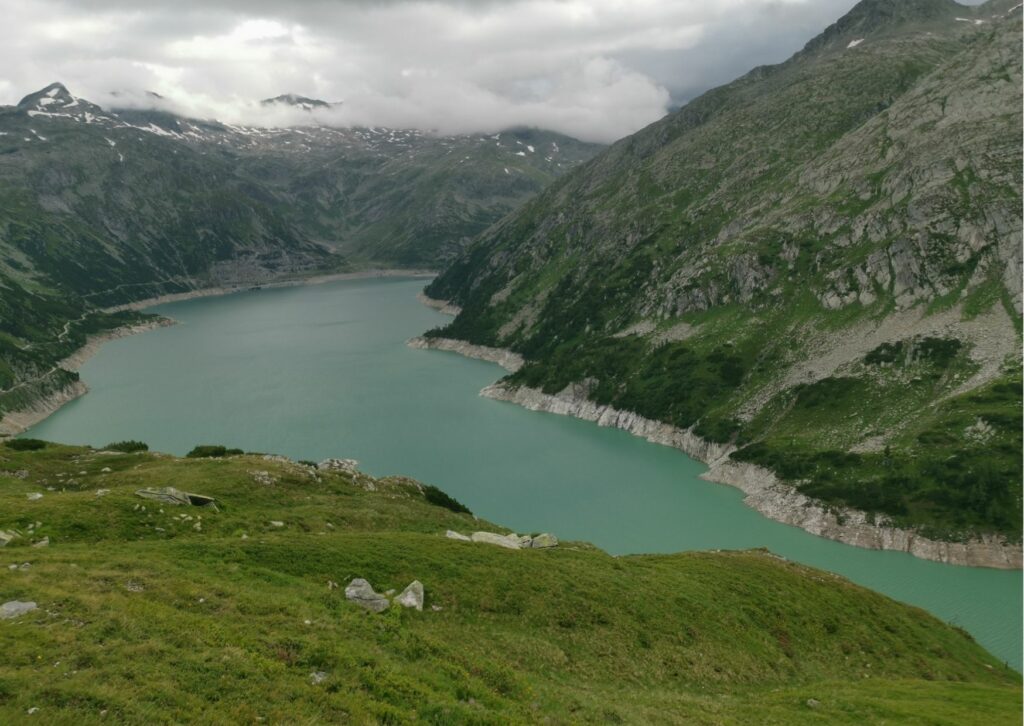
[[153, 613]]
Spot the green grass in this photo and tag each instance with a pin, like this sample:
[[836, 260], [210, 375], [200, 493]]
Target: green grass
[[145, 618]]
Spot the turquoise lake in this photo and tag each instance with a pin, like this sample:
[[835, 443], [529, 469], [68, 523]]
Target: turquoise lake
[[323, 371]]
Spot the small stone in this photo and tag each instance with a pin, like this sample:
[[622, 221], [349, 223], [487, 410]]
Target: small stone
[[332, 585], [436, 608], [452, 534], [360, 592], [132, 586], [44, 542], [102, 492], [412, 596], [317, 677], [6, 536], [276, 523], [32, 710], [813, 703], [105, 470], [34, 496], [14, 608]]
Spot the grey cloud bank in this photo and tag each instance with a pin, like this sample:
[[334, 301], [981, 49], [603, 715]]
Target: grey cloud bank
[[597, 70]]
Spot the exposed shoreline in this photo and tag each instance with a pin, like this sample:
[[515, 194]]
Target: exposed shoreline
[[16, 422], [218, 290], [763, 491]]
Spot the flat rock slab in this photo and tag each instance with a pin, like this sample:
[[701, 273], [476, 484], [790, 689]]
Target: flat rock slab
[[14, 608], [509, 541], [170, 495], [452, 534]]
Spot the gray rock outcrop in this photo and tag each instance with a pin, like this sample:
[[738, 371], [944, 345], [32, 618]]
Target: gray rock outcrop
[[412, 596], [362, 594]]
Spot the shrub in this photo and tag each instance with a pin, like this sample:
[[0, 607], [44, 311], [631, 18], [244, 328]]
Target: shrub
[[212, 451], [128, 447], [26, 444], [438, 498]]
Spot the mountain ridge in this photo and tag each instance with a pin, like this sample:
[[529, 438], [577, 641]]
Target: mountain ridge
[[717, 269]]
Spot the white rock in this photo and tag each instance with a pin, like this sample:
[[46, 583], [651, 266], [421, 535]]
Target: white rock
[[452, 534], [34, 496], [14, 608]]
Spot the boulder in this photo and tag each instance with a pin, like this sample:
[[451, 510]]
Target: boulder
[[170, 495], [14, 608], [544, 540], [360, 592], [6, 536], [510, 541], [412, 596], [452, 534], [34, 496]]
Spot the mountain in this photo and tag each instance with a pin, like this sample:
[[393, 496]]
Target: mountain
[[301, 102], [815, 269], [101, 207], [150, 611]]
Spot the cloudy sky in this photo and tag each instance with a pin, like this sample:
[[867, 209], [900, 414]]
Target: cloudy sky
[[595, 69]]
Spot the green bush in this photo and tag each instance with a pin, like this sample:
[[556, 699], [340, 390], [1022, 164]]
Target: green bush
[[212, 451], [438, 498], [26, 444], [128, 447]]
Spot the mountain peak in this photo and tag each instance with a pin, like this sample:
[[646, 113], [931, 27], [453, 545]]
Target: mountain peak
[[56, 100], [297, 101], [879, 16]]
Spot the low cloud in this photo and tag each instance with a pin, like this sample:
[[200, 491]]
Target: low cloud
[[594, 69]]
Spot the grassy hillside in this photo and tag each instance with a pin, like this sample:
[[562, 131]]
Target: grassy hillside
[[152, 613], [818, 264]]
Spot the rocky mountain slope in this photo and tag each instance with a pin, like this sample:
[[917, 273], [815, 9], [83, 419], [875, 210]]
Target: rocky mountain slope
[[101, 207], [816, 267], [115, 607]]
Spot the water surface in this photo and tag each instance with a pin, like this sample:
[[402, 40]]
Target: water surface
[[323, 371]]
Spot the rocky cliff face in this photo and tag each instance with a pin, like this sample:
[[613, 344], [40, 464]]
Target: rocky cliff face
[[725, 269]]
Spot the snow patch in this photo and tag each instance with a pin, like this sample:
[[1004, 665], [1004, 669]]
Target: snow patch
[[855, 43]]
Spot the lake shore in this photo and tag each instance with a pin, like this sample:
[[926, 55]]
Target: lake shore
[[16, 422], [763, 490], [217, 290]]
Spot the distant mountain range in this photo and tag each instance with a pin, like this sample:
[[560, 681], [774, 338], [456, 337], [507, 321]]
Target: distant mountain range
[[100, 207]]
